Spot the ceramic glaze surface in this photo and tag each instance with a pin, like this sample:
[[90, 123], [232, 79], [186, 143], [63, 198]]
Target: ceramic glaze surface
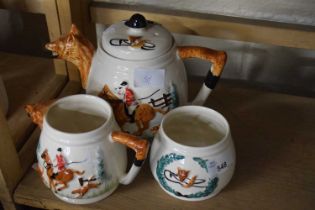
[[193, 172], [128, 43], [160, 82], [71, 121], [205, 132], [82, 165]]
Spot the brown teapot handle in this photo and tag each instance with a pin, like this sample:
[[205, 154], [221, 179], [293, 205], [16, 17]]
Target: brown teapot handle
[[218, 60]]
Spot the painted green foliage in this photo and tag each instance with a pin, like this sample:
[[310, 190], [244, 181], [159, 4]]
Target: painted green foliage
[[101, 172], [201, 162], [174, 97], [164, 161], [100, 165], [169, 158]]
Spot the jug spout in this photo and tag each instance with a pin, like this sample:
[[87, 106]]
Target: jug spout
[[37, 111], [75, 48]]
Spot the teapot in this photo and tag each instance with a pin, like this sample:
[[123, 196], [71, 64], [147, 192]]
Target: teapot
[[138, 69]]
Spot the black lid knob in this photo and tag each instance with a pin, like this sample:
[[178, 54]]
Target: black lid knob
[[136, 21]]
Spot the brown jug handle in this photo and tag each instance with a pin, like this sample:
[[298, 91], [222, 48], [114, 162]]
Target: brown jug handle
[[215, 57], [140, 146]]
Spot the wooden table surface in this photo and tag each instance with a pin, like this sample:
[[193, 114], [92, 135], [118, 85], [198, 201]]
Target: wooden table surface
[[274, 137]]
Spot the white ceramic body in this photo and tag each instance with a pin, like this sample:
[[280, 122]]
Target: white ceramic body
[[212, 165], [93, 154], [4, 104], [109, 70]]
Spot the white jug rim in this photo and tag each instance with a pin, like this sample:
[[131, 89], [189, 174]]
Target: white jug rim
[[212, 148], [81, 137]]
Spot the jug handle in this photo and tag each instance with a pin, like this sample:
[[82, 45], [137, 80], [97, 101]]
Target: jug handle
[[215, 57], [140, 146]]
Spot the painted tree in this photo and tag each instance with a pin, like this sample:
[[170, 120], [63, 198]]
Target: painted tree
[[100, 164], [174, 97]]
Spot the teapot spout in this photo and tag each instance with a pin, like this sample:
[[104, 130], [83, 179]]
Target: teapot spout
[[75, 48]]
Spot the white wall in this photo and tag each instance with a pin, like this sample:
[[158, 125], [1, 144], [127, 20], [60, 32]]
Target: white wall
[[297, 12], [278, 68]]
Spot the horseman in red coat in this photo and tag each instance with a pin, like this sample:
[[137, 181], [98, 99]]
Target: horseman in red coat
[[61, 163], [128, 97]]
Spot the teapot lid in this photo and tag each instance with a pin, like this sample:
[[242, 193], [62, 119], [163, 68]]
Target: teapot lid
[[136, 39]]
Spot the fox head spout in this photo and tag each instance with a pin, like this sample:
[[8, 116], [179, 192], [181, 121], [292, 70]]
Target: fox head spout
[[75, 48]]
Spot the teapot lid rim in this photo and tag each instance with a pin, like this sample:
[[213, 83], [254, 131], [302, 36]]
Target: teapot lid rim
[[124, 42]]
